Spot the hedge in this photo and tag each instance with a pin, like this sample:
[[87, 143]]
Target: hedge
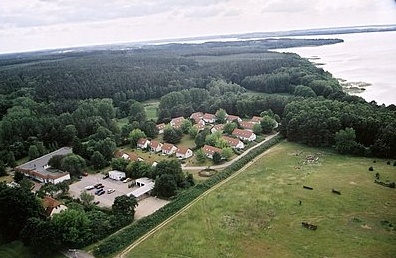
[[120, 240]]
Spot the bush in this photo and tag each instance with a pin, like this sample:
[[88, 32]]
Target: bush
[[371, 168]]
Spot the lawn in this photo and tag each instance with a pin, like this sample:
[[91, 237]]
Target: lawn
[[151, 109], [17, 249], [259, 212]]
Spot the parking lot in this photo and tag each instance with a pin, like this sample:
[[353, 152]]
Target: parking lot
[[105, 199], [145, 206]]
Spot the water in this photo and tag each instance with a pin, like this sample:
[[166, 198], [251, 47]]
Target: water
[[362, 57]]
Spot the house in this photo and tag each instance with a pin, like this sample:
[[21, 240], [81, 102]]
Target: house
[[197, 116], [210, 151], [160, 128], [143, 143], [183, 153], [209, 118], [116, 175], [125, 156], [176, 122], [168, 148], [256, 119], [217, 128], [155, 146], [134, 157], [231, 118], [235, 143], [244, 135], [145, 186], [52, 206], [39, 169], [247, 125], [200, 125]]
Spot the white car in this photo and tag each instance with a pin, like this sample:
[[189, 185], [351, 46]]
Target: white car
[[109, 191], [127, 180], [89, 187]]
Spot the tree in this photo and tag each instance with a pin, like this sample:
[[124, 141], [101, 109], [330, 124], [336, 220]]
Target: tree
[[98, 161], [257, 129], [86, 198], [267, 124], [33, 152], [56, 161], [200, 156], [345, 141], [229, 127], [193, 131], [135, 135], [170, 167], [18, 176], [186, 126], [200, 138], [221, 116], [227, 153], [304, 91], [137, 112], [69, 132], [124, 205], [2, 169], [73, 163], [172, 135], [11, 162], [165, 186], [217, 158], [150, 129], [119, 164]]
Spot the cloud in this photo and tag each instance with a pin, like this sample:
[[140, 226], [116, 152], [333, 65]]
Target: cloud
[[291, 6]]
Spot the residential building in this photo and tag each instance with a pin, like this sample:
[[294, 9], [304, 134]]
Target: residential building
[[235, 143], [232, 118], [244, 135], [217, 128], [247, 125], [210, 151], [155, 146], [143, 143], [183, 153], [168, 148], [197, 116], [177, 122], [256, 119], [52, 206], [160, 128], [209, 118]]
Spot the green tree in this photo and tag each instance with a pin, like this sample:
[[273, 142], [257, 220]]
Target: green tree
[[257, 129], [267, 124], [227, 153], [221, 116], [172, 135], [193, 131], [2, 169], [200, 156], [170, 167], [304, 91], [98, 161], [33, 152], [150, 129], [86, 198], [135, 135], [11, 162], [137, 112], [200, 138], [345, 141], [124, 205], [18, 176], [229, 127], [119, 164], [69, 132], [186, 126], [56, 161], [165, 186], [217, 158], [73, 163]]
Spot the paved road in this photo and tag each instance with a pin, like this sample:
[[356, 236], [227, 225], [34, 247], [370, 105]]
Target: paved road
[[234, 160], [151, 232]]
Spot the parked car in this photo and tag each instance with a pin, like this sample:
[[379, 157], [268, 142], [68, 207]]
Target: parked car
[[127, 180], [106, 176], [98, 191], [89, 187], [101, 192], [96, 202], [98, 185], [109, 191]]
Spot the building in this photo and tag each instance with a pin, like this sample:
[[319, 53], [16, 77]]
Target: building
[[217, 128], [38, 169], [231, 118], [160, 128], [52, 206], [143, 143], [247, 125], [184, 153], [168, 148], [244, 135], [197, 116], [155, 146], [235, 143], [116, 175], [256, 119], [210, 151], [209, 118], [145, 186], [177, 122], [200, 125]]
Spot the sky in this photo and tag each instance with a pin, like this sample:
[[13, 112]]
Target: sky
[[27, 25]]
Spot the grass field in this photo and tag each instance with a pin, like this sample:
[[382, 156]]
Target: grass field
[[259, 212], [17, 249], [151, 109]]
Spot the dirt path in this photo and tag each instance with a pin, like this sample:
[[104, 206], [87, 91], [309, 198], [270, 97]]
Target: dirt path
[[151, 232], [234, 160]]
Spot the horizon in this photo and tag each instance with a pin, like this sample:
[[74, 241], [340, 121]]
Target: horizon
[[34, 25]]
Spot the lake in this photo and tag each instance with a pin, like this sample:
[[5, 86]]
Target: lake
[[362, 57]]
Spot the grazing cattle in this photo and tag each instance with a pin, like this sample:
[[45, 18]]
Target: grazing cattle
[[336, 191], [307, 187], [309, 226]]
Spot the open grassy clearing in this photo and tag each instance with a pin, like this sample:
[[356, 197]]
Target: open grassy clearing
[[151, 109], [17, 249], [258, 213]]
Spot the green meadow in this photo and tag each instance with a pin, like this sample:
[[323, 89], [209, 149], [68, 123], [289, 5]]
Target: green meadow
[[259, 213]]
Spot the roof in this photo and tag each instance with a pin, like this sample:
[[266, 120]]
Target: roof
[[177, 120], [232, 118], [182, 150], [232, 141], [142, 190], [208, 116], [242, 133], [155, 144], [160, 126], [49, 204], [256, 119], [218, 127], [168, 146], [196, 115], [210, 149], [142, 141], [247, 125]]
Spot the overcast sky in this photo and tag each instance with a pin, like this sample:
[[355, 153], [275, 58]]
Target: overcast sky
[[40, 24]]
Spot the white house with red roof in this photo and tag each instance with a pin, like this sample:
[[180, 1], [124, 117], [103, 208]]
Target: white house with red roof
[[143, 143], [209, 118], [197, 116], [231, 118], [217, 128], [200, 125], [256, 119], [168, 149], [184, 153], [155, 146], [176, 122], [244, 135], [160, 128], [210, 151], [235, 143], [247, 125]]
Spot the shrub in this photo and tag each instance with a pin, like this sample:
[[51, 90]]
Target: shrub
[[371, 168]]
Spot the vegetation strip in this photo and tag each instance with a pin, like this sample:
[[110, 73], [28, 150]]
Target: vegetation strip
[[118, 242]]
